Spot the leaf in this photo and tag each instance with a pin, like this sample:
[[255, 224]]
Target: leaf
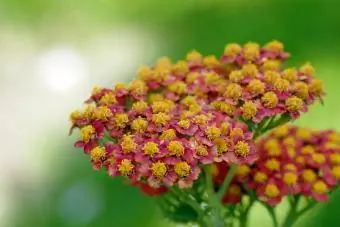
[[183, 214]]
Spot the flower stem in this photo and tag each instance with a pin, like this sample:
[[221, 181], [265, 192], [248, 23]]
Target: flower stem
[[271, 213], [294, 215], [227, 180], [245, 214]]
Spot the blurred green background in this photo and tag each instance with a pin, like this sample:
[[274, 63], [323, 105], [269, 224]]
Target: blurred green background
[[53, 51]]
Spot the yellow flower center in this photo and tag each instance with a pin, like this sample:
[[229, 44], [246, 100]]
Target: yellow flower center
[[251, 51], [301, 90], [184, 124], [202, 150], [271, 191], [161, 106], [168, 134], [260, 177], [201, 119], [300, 160], [150, 148], [304, 133], [249, 110], [316, 87], [128, 144], [256, 86], [182, 169], [290, 74], [308, 149], [235, 76], [97, 153], [194, 56], [180, 67], [273, 148], [271, 77], [274, 46], [336, 172], [224, 128], [249, 70], [212, 132], [335, 158], [236, 132], [176, 148], [290, 167], [108, 99], [233, 91], [191, 77], [139, 125], [309, 175], [291, 152], [242, 148], [289, 141], [212, 78], [139, 106], [145, 73], [221, 145], [160, 119], [320, 187], [293, 103], [232, 49], [307, 69], [243, 170], [96, 90], [319, 158], [290, 178], [138, 87], [158, 169], [102, 113], [75, 115], [121, 120], [86, 133], [154, 97], [271, 65], [272, 164], [270, 99], [211, 61], [178, 87], [281, 131], [335, 138], [281, 85], [125, 167], [164, 63]]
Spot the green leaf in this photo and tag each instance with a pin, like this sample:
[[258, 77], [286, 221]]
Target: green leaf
[[183, 214]]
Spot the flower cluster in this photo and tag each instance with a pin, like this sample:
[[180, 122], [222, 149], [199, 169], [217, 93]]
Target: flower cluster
[[293, 161], [173, 117], [148, 137]]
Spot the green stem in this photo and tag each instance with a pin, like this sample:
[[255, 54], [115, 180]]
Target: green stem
[[294, 215], [245, 214], [187, 199], [271, 213], [227, 180], [217, 219]]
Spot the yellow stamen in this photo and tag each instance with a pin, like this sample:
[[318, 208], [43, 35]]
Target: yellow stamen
[[289, 141], [96, 90], [221, 145], [150, 148], [168, 134], [176, 148], [290, 178], [260, 177], [201, 119], [161, 106], [194, 57], [235, 76], [145, 73], [242, 148], [319, 158], [236, 132], [273, 148], [271, 65], [308, 149], [191, 77], [155, 97], [182, 169], [108, 99], [304, 133], [139, 125], [211, 61], [121, 120], [290, 167], [281, 85], [158, 169], [301, 89], [281, 131], [178, 87], [202, 150], [308, 175], [138, 87], [274, 46], [249, 70], [102, 113], [125, 167], [211, 78], [160, 119], [336, 172], [316, 87], [184, 124], [249, 110], [232, 49], [251, 51], [164, 63], [233, 91], [98, 153], [181, 67], [270, 99], [86, 133], [139, 106], [290, 74], [294, 103], [128, 145], [212, 132], [335, 158], [256, 86], [243, 170], [272, 164], [320, 187], [271, 190], [307, 69], [271, 77]]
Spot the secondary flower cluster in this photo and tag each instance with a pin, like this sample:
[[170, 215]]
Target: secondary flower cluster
[[293, 161], [173, 117]]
